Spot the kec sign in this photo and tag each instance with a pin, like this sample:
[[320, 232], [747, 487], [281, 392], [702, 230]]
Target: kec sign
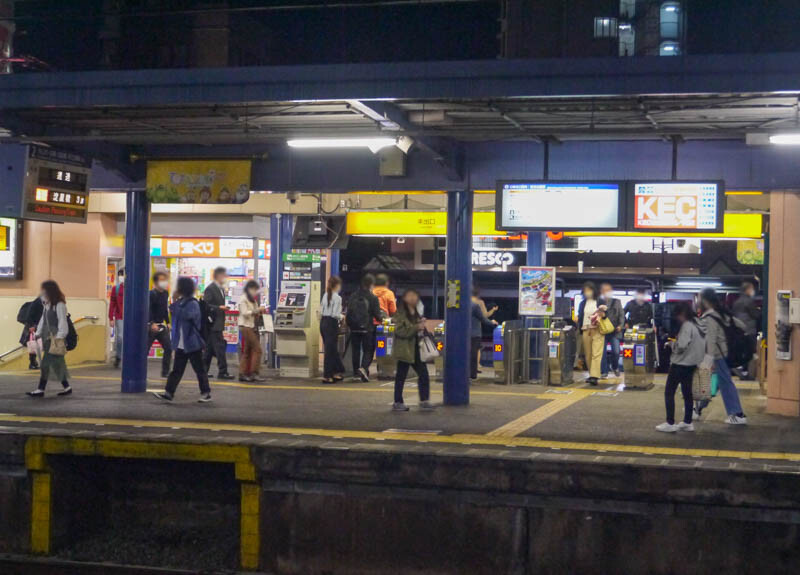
[[666, 212], [676, 206], [493, 259]]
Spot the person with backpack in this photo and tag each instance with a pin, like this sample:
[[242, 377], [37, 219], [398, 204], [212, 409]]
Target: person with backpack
[[250, 320], [363, 310], [688, 351], [158, 326], [54, 330], [29, 315], [408, 326], [721, 335], [214, 307], [189, 344]]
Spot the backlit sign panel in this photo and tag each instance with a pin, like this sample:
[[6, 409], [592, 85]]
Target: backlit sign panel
[[677, 206], [558, 206]]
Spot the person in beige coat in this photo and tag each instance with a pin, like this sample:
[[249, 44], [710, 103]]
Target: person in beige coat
[[250, 311]]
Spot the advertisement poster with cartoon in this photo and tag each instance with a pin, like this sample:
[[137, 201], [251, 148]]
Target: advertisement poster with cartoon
[[537, 290], [198, 182]]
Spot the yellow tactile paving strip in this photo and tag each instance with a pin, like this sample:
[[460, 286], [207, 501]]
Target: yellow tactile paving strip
[[535, 417], [458, 439]]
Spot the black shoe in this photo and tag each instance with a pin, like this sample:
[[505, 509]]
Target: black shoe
[[205, 398], [224, 376], [35, 393], [66, 391], [33, 366], [362, 374], [592, 381], [116, 362], [246, 378], [162, 395]]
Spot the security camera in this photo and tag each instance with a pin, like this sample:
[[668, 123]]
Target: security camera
[[292, 197]]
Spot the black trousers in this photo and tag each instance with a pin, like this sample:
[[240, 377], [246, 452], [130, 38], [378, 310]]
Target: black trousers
[[363, 344], [475, 345], [332, 365], [162, 337], [216, 347], [679, 375], [181, 359], [423, 381]]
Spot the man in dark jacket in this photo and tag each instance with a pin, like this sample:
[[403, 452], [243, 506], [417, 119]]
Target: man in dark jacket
[[617, 317], [215, 300], [749, 314], [158, 328], [363, 311], [639, 311], [476, 334], [32, 314]]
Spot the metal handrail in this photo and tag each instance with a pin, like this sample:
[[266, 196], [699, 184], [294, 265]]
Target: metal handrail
[[77, 321]]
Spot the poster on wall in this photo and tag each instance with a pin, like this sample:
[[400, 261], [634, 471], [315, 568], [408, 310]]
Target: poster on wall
[[750, 252], [198, 181], [537, 289], [783, 328]]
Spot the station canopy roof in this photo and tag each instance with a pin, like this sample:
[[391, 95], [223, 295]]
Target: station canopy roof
[[728, 116]]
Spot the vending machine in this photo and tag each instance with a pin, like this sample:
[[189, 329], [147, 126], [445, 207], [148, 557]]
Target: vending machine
[[297, 328]]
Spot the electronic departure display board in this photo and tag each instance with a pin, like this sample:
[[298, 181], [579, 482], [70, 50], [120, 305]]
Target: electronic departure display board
[[563, 206], [56, 187], [676, 206]]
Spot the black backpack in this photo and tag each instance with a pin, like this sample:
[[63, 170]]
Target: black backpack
[[71, 341], [358, 316], [740, 349], [24, 311]]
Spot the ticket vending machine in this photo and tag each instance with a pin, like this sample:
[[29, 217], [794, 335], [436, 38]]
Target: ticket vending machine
[[384, 342], [639, 357], [562, 346], [297, 328]]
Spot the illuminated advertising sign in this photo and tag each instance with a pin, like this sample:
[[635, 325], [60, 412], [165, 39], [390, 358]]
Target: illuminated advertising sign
[[548, 206], [198, 181], [490, 259], [10, 249], [677, 206]]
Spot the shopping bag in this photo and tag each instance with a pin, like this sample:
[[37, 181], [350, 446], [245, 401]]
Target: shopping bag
[[714, 384], [34, 346], [701, 384], [427, 348]]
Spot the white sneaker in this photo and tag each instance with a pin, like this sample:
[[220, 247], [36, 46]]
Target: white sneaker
[[426, 406], [736, 420], [695, 415], [683, 426], [667, 427]]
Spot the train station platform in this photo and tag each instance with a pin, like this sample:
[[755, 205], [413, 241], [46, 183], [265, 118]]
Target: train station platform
[[525, 479]]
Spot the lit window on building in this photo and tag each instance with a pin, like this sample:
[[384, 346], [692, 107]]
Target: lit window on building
[[605, 27]]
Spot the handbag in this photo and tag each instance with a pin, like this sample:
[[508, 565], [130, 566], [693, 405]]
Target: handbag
[[57, 346], [427, 348], [605, 326], [701, 384], [33, 345]]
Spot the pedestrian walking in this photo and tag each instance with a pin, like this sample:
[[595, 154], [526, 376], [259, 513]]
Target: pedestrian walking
[[53, 329], [616, 316], [158, 329], [363, 314], [29, 315], [186, 334], [250, 322], [590, 311], [713, 322], [331, 317], [215, 302], [688, 351], [408, 326]]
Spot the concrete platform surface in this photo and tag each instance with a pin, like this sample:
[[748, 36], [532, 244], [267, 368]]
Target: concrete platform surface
[[606, 421]]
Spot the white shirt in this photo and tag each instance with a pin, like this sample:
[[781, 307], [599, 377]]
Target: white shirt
[[332, 308], [248, 310], [588, 311]]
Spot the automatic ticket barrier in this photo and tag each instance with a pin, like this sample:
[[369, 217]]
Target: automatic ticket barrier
[[297, 329], [639, 358], [497, 353], [438, 363], [562, 346], [384, 342]]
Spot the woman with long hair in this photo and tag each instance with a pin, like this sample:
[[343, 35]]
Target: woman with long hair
[[187, 341], [333, 368], [250, 321], [590, 311], [408, 325], [53, 329]]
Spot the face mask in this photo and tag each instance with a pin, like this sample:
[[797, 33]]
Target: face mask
[[43, 297], [607, 294], [640, 298], [587, 295], [163, 284]]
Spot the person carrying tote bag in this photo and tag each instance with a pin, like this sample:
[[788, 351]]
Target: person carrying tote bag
[[408, 327], [53, 330]]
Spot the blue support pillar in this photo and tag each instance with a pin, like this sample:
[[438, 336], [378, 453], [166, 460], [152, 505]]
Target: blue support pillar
[[333, 262], [536, 256], [137, 282], [457, 319]]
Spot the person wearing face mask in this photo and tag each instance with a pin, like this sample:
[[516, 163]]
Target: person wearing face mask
[[158, 329], [250, 321], [638, 311], [53, 329], [408, 327], [748, 313], [216, 305], [617, 318], [590, 311], [333, 368], [115, 312]]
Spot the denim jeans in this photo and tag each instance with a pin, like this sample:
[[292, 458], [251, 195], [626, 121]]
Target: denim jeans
[[730, 397], [613, 339]]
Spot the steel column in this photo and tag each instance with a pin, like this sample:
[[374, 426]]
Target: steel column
[[137, 281], [333, 261], [457, 319]]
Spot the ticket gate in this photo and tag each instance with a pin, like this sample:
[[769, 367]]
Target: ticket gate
[[297, 329], [562, 346], [639, 357], [438, 363], [384, 342], [497, 353]]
